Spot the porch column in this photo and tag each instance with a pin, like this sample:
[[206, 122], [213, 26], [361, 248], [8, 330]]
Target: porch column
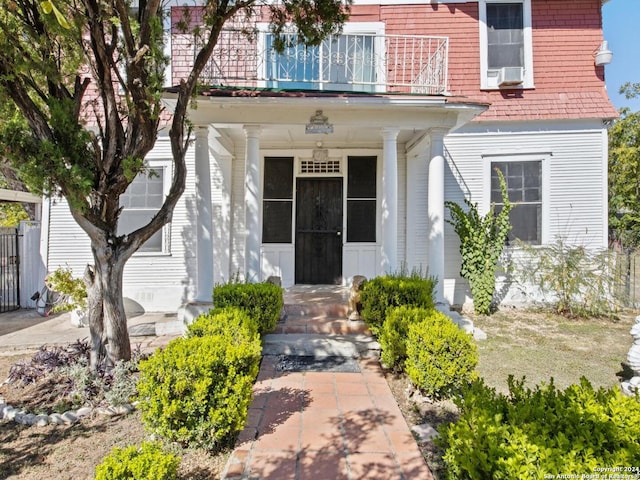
[[389, 200], [252, 204], [435, 210], [204, 222]]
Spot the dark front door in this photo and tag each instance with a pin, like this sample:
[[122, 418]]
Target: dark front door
[[319, 230]]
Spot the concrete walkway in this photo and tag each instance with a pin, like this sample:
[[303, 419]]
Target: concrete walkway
[[323, 417], [24, 331], [325, 426]]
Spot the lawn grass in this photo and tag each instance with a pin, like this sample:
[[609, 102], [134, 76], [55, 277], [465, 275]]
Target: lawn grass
[[539, 346]]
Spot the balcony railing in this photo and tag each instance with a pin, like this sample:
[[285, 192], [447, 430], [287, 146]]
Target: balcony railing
[[361, 62]]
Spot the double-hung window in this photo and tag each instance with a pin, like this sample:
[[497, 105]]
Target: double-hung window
[[141, 201], [506, 52], [524, 188]]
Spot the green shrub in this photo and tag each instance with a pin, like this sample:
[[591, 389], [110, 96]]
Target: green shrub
[[574, 281], [231, 320], [532, 433], [393, 336], [441, 358], [381, 293], [197, 390], [482, 239], [262, 301], [147, 462]]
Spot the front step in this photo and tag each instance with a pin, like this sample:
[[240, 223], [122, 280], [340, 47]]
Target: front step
[[317, 310], [293, 324], [320, 346]]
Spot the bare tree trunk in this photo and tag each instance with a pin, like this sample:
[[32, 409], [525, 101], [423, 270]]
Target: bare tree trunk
[[115, 320], [107, 319], [96, 317]]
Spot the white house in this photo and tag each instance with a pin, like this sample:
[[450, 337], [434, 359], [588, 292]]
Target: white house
[[319, 164]]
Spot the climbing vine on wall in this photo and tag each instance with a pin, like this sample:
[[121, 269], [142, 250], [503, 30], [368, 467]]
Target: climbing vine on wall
[[482, 239]]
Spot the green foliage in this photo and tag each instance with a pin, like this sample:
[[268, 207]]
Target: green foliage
[[11, 214], [262, 301], [624, 174], [393, 335], [482, 239], [381, 293], [62, 281], [146, 462], [532, 433], [102, 386], [232, 320], [197, 390], [441, 358], [573, 280]]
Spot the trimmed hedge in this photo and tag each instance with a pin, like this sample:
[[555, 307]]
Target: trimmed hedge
[[381, 293], [441, 358], [393, 336], [147, 462], [229, 320], [197, 390], [532, 433], [262, 301]]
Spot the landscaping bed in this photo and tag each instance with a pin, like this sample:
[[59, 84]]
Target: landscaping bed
[[531, 344]]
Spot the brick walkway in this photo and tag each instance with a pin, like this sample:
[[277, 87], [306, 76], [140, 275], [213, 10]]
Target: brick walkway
[[324, 425]]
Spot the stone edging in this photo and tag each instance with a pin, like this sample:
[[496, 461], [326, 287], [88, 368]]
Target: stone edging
[[7, 412]]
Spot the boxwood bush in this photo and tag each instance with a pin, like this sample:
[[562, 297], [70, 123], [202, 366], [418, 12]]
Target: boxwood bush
[[530, 433], [147, 462], [262, 301], [441, 358], [229, 320], [197, 390], [393, 336], [381, 293]]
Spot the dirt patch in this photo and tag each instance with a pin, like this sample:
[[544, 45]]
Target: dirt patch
[[539, 346], [72, 452]]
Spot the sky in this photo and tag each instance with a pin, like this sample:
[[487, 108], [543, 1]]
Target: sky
[[621, 25]]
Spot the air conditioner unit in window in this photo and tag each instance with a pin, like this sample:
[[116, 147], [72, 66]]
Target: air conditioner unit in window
[[510, 76]]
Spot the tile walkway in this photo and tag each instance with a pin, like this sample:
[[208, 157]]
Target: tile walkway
[[325, 425]]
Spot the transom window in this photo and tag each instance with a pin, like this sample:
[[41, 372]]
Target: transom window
[[524, 188]]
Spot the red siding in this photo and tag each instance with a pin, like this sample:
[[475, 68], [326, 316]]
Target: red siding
[[566, 33]]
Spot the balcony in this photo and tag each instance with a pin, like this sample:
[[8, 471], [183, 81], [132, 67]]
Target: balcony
[[349, 62]]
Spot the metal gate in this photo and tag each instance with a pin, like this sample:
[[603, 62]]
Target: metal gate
[[9, 269]]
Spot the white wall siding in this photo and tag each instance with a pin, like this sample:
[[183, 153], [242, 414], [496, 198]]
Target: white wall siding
[[418, 225], [152, 282], [573, 186], [237, 212], [221, 173], [402, 206]]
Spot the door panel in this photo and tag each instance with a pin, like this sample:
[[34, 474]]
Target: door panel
[[319, 230]]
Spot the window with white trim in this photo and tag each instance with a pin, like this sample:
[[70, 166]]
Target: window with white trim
[[506, 51], [141, 201], [524, 189]]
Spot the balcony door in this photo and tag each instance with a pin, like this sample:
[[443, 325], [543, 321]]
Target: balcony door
[[318, 231], [345, 62]]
